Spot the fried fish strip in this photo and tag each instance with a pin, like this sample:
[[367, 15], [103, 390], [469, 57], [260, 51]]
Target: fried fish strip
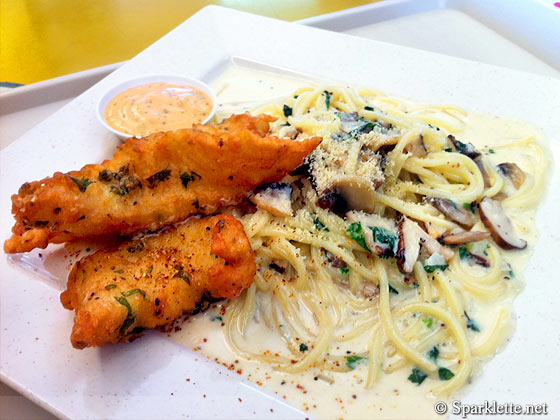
[[154, 181], [148, 283]]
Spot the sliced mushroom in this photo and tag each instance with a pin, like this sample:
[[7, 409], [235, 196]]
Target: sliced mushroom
[[411, 236], [380, 234], [450, 209], [465, 237], [276, 198], [466, 149], [292, 133], [513, 172], [434, 231], [495, 219], [433, 246], [417, 147], [501, 196], [483, 172], [333, 201], [350, 121], [358, 192], [409, 245]]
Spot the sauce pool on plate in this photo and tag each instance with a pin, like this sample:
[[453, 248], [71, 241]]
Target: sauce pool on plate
[[159, 106]]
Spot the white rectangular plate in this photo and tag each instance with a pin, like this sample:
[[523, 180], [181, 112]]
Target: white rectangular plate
[[147, 379]]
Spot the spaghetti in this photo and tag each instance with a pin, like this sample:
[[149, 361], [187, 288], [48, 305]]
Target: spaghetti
[[321, 288]]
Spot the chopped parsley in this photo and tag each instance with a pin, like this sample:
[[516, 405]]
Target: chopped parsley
[[352, 361], [344, 270], [182, 274], [445, 374], [187, 177], [432, 268], [133, 291], [433, 353], [216, 318], [471, 324], [82, 183], [287, 111], [428, 322], [368, 108], [327, 98], [356, 233], [469, 207], [491, 151], [110, 286], [417, 376], [448, 150], [158, 177], [303, 347], [393, 290], [464, 252], [130, 317], [386, 238], [319, 225]]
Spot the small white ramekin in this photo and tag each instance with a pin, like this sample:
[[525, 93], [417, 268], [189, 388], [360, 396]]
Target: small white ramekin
[[150, 78]]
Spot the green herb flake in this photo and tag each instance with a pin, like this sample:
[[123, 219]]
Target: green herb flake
[[433, 353], [384, 237], [133, 291], [464, 252], [303, 347], [182, 274], [356, 233], [216, 318], [82, 183], [428, 322], [352, 361], [158, 177], [448, 150], [187, 177], [319, 225], [417, 376], [491, 151], [432, 268], [287, 111], [469, 207], [327, 98], [110, 286], [150, 269], [368, 108], [445, 374], [471, 324], [344, 270], [130, 318], [393, 290]]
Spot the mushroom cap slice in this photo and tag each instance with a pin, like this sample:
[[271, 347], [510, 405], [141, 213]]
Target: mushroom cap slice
[[513, 172], [452, 211], [495, 219], [358, 192], [276, 198], [409, 245], [465, 237], [411, 236]]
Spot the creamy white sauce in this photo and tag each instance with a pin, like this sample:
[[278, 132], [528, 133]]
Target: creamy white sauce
[[393, 396]]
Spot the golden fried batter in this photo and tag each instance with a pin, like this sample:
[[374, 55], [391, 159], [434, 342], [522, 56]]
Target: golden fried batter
[[154, 181], [148, 283]]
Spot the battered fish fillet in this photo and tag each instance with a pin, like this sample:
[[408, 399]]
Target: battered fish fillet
[[148, 283], [154, 181]]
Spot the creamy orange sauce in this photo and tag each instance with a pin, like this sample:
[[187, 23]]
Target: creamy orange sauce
[[159, 106]]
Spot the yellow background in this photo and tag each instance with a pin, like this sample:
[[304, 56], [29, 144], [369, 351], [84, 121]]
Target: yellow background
[[41, 39]]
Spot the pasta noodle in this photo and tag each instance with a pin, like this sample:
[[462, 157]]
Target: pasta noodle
[[318, 288]]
